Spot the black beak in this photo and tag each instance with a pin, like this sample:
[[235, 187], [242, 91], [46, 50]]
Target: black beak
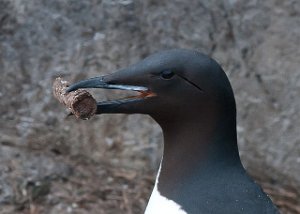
[[114, 106], [99, 82]]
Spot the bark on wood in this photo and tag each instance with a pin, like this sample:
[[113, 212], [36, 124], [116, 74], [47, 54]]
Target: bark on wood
[[80, 102]]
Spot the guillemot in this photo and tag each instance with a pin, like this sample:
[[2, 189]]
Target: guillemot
[[189, 95]]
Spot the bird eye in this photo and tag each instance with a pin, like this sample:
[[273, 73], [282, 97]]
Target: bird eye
[[167, 74]]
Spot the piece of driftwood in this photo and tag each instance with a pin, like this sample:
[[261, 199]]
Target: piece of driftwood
[[80, 102]]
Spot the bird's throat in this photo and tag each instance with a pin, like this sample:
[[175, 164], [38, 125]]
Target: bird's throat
[[193, 155]]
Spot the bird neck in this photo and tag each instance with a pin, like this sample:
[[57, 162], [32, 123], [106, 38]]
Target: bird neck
[[197, 148]]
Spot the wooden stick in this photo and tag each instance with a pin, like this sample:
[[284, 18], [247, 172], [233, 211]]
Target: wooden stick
[[80, 102]]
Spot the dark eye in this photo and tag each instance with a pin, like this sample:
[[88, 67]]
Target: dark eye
[[167, 74]]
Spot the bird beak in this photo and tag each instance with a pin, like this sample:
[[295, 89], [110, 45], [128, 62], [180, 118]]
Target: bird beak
[[125, 105], [99, 82]]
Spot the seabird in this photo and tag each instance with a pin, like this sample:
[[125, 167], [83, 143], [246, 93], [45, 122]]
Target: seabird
[[189, 95]]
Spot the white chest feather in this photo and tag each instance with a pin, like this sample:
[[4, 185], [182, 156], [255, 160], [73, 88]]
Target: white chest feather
[[159, 204]]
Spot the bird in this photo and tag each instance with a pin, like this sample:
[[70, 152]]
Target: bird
[[189, 95]]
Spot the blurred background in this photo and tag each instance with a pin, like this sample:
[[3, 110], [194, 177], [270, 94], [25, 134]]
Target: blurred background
[[54, 164]]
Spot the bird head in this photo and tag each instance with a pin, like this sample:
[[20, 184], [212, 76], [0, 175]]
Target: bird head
[[171, 84]]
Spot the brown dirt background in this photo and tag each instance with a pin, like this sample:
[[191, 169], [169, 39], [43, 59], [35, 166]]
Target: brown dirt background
[[50, 163]]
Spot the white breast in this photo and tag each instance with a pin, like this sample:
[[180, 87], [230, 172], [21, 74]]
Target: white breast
[[159, 204]]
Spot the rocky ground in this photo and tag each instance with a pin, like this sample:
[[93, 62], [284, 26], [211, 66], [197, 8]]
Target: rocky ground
[[51, 163]]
